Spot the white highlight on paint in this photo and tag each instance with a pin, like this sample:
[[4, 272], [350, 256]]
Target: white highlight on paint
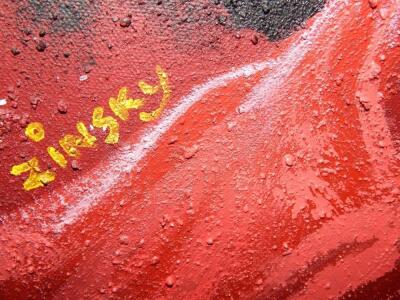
[[3, 102], [83, 77], [97, 186], [287, 63], [129, 158]]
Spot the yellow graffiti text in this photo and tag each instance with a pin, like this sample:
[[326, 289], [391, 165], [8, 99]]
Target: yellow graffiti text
[[57, 156], [36, 178], [106, 122], [166, 95], [35, 131], [121, 106], [70, 143]]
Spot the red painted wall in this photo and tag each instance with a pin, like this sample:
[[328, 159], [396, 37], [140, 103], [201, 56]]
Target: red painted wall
[[214, 163]]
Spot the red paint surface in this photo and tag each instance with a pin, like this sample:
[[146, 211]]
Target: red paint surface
[[296, 198]]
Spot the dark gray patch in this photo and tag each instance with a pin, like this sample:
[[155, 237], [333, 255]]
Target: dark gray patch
[[275, 18], [57, 15], [180, 20]]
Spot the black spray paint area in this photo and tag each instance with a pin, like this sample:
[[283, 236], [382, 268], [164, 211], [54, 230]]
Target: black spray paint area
[[274, 18], [59, 15]]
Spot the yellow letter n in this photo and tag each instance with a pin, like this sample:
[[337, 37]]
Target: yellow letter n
[[70, 143]]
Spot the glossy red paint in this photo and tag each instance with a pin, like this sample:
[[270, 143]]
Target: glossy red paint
[[272, 174]]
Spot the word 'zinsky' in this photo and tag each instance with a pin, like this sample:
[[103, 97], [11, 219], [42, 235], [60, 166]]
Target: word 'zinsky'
[[70, 143]]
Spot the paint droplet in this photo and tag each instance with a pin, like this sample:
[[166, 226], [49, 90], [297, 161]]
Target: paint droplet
[[231, 126], [124, 239], [125, 22], [210, 241], [62, 107], [173, 140], [289, 160], [170, 281], [87, 68], [364, 101], [75, 165], [254, 40], [34, 102], [83, 77], [327, 286], [190, 152], [15, 51], [155, 260], [373, 3], [41, 46], [42, 33], [384, 13]]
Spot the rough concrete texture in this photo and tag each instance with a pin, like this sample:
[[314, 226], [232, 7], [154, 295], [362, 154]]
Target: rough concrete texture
[[170, 150]]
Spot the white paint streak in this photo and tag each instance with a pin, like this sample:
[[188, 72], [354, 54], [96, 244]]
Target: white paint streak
[[288, 62], [3, 102], [129, 158], [97, 186]]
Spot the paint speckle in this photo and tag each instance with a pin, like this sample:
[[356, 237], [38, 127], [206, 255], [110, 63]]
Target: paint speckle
[[34, 102], [155, 260], [289, 160], [191, 152], [170, 281], [41, 46], [15, 51], [124, 239], [75, 165], [62, 107], [125, 22], [373, 3], [254, 39]]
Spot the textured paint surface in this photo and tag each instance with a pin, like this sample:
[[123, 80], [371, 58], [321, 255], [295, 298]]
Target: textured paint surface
[[200, 149]]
